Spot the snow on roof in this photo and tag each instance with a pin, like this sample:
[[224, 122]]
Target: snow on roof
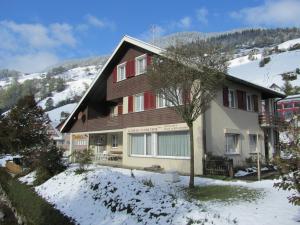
[[286, 45]]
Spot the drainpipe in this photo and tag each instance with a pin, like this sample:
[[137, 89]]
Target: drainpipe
[[203, 141], [277, 133]]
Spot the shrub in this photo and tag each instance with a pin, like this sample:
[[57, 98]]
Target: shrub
[[83, 157], [49, 163], [32, 207], [264, 61]]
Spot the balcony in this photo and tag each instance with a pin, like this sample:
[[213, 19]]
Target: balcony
[[270, 120]]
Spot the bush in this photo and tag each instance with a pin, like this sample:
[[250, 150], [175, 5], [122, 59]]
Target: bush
[[32, 207], [83, 157], [49, 163], [264, 61]]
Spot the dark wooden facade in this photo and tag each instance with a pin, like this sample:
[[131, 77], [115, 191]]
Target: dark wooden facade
[[95, 116]]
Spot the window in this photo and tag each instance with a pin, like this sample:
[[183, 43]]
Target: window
[[297, 104], [114, 141], [231, 98], [288, 105], [252, 142], [139, 103], [249, 103], [141, 144], [173, 143], [141, 64], [231, 143], [164, 144], [161, 102], [121, 72]]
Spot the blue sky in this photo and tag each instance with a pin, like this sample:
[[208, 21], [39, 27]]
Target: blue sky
[[35, 34]]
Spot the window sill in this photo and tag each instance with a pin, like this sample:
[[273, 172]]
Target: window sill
[[161, 157], [232, 153]]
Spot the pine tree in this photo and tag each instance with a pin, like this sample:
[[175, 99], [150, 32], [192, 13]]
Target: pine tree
[[27, 124], [49, 104]]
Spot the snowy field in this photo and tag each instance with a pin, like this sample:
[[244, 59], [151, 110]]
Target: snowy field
[[107, 195]]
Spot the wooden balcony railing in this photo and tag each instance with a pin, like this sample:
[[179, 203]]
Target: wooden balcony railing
[[270, 120]]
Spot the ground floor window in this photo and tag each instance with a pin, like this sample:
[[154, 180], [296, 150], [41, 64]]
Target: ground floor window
[[114, 141], [232, 141], [174, 144], [252, 142]]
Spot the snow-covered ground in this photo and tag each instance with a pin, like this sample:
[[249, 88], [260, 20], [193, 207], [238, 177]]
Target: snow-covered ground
[[29, 178], [107, 195], [286, 45]]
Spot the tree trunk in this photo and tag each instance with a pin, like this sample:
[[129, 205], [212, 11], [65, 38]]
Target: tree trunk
[[192, 173]]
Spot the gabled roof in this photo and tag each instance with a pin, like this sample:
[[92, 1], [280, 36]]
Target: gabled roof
[[127, 39], [158, 51]]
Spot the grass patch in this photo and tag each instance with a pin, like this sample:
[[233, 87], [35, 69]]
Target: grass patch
[[30, 205], [226, 193]]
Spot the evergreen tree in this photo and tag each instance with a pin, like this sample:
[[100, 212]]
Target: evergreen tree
[[49, 104], [27, 125]]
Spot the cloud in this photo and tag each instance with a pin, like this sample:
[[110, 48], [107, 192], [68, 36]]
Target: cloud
[[99, 23], [40, 36], [185, 22], [63, 33], [31, 62], [201, 15], [272, 13]]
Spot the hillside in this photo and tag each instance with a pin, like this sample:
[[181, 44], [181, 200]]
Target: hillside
[[63, 84]]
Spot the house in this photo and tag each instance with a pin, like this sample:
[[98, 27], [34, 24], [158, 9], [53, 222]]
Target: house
[[288, 107], [126, 124]]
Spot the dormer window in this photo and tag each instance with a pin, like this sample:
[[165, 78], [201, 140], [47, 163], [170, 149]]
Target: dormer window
[[141, 64], [121, 72]]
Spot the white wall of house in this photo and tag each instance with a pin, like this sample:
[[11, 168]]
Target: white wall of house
[[221, 120]]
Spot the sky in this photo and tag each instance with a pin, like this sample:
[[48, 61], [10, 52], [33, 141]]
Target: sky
[[35, 34]]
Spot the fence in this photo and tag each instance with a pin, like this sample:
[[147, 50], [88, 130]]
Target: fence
[[222, 167]]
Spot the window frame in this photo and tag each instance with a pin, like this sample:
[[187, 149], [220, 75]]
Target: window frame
[[237, 147], [118, 72], [234, 99], [251, 109], [142, 103], [154, 146], [137, 59], [116, 139], [256, 143]]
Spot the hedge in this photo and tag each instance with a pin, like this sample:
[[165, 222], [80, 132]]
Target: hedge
[[30, 205]]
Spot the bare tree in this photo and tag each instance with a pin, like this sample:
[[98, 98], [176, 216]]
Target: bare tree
[[188, 77], [288, 161]]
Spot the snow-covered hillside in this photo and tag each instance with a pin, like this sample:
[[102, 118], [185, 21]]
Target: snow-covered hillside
[[54, 115], [250, 70]]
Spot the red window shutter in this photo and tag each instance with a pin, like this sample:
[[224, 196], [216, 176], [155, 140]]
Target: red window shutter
[[240, 99], [115, 75], [244, 100], [225, 96], [255, 103], [149, 59], [146, 100], [130, 103], [120, 109], [152, 100], [130, 69], [127, 69]]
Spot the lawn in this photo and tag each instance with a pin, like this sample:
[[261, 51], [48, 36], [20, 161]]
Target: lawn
[[224, 193]]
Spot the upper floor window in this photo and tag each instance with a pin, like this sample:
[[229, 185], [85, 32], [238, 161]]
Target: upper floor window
[[297, 104], [231, 98], [161, 102], [139, 103], [121, 72], [249, 101], [288, 105], [141, 64]]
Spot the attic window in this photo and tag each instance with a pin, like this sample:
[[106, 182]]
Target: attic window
[[141, 64], [121, 72]]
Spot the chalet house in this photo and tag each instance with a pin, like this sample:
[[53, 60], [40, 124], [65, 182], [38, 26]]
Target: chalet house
[[126, 123]]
